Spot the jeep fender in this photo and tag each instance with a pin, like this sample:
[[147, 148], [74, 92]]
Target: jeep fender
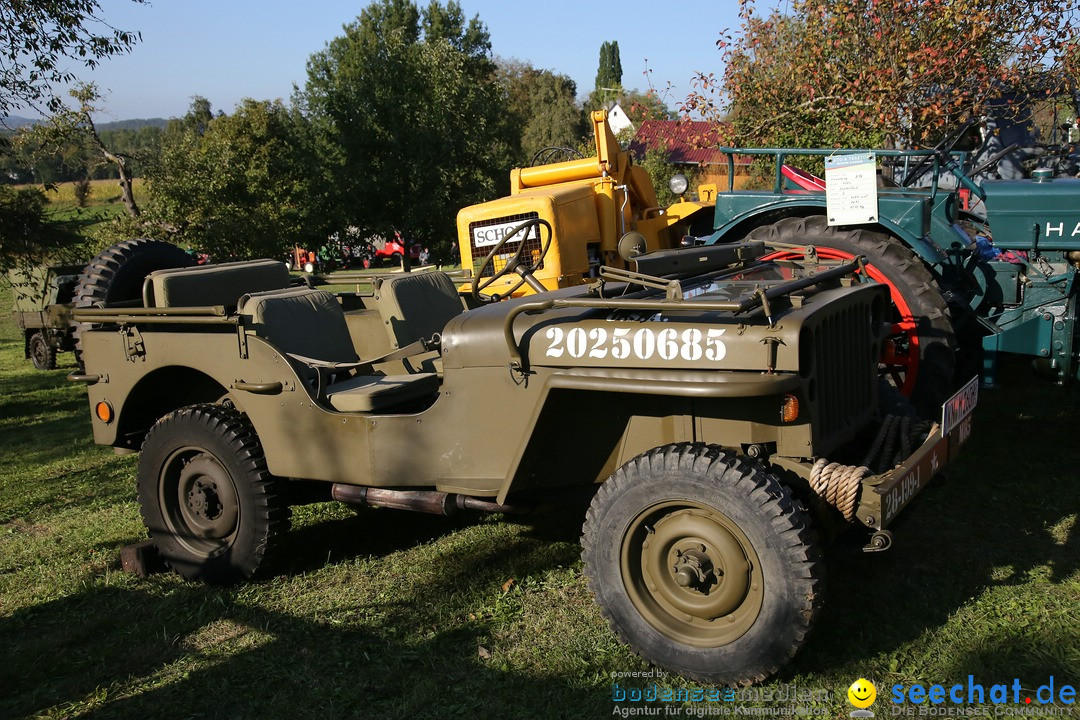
[[672, 397]]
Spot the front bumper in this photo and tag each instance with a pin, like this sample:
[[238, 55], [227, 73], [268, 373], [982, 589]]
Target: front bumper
[[883, 496]]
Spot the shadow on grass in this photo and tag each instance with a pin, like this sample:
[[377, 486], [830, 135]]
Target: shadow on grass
[[376, 532], [88, 488], [26, 400], [1004, 517], [185, 650], [48, 401], [45, 441], [370, 532], [22, 383]]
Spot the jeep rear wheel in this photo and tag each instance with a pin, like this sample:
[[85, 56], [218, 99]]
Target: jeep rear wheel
[[918, 354], [207, 499], [42, 354], [703, 563]]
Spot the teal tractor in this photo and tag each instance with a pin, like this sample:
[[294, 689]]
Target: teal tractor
[[994, 272]]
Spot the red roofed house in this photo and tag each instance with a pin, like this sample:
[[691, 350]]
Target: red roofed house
[[691, 142]]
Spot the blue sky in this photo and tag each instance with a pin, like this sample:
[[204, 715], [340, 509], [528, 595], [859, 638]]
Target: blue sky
[[226, 50]]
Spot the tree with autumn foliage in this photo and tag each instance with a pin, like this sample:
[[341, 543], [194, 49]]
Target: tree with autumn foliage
[[872, 73]]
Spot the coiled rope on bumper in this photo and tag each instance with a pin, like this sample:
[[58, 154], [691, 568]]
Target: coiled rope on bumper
[[839, 484]]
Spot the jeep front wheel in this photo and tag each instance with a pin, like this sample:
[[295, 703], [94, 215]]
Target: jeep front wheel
[[210, 504], [703, 563]]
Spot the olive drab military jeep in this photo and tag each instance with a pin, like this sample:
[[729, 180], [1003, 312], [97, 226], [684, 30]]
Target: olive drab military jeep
[[724, 410], [43, 296]]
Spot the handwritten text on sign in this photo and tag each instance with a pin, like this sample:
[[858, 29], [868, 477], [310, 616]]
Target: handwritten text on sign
[[851, 189]]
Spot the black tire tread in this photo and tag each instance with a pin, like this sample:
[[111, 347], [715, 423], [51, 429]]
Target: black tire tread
[[786, 515], [47, 351], [272, 514], [95, 285], [937, 337]]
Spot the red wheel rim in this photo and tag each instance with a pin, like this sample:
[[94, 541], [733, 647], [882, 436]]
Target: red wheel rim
[[900, 351]]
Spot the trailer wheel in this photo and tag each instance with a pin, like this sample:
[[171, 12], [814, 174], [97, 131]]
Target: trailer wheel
[[117, 275], [42, 354], [703, 563], [208, 501], [918, 355]]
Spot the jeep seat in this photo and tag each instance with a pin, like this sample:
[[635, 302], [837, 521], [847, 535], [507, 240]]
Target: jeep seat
[[372, 393], [415, 306], [309, 325], [300, 321], [211, 285]]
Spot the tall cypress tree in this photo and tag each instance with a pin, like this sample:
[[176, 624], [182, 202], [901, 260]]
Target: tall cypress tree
[[609, 72]]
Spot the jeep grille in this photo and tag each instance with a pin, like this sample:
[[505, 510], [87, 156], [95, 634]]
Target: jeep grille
[[843, 349]]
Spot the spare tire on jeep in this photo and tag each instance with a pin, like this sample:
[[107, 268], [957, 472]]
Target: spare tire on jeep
[[117, 273]]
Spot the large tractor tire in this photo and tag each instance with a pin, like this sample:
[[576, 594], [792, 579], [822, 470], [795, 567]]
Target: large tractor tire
[[117, 275], [212, 508], [919, 353], [703, 563]]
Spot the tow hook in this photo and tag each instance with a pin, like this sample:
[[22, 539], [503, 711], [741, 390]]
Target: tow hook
[[880, 541]]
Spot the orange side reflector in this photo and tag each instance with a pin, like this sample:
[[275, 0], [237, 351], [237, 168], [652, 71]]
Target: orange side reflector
[[104, 412]]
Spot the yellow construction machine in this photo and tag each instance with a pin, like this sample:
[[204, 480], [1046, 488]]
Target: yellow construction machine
[[566, 219]]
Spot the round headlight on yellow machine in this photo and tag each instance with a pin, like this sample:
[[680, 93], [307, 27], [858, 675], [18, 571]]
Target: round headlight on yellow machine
[[678, 184]]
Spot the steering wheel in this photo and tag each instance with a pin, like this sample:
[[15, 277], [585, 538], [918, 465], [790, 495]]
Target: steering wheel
[[554, 154], [941, 150], [992, 160], [514, 262]]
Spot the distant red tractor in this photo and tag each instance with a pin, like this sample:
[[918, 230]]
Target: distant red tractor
[[302, 260], [393, 250]]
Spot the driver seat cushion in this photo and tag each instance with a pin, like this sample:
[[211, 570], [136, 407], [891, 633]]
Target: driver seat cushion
[[415, 306], [375, 393], [301, 321]]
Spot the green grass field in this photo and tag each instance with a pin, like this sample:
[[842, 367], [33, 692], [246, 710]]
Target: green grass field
[[384, 614]]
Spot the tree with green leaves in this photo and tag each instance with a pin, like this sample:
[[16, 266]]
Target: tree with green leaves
[[27, 235], [71, 129], [609, 72], [411, 120], [544, 108], [38, 41], [864, 74], [236, 186], [640, 106]]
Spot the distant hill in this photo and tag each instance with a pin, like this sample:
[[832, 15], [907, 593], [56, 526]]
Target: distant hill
[[13, 122], [133, 124]]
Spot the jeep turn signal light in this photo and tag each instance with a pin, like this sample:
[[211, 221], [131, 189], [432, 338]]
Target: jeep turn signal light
[[789, 411], [104, 412]]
